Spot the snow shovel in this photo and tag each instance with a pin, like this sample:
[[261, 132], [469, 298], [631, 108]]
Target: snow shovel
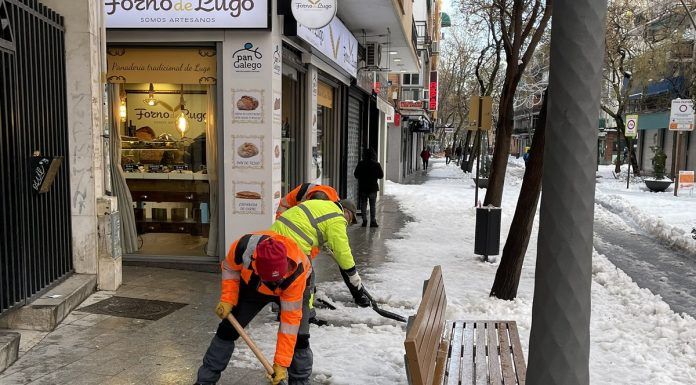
[[257, 352], [382, 312]]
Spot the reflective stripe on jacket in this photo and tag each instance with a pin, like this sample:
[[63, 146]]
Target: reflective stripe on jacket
[[240, 264], [305, 192], [329, 228]]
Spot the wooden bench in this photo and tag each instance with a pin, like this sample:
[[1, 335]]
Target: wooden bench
[[440, 352]]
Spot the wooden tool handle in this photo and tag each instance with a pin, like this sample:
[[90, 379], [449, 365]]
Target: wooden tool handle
[[257, 352]]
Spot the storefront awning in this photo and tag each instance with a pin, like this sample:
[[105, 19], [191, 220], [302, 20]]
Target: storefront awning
[[445, 20], [653, 121]]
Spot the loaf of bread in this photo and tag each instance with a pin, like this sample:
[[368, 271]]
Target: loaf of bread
[[145, 133]]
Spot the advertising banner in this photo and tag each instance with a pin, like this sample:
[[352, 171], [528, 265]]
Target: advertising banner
[[336, 42]]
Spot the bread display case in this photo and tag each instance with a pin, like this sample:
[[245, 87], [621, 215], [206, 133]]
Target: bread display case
[[168, 182]]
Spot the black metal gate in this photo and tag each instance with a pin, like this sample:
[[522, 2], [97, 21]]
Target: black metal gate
[[35, 237]]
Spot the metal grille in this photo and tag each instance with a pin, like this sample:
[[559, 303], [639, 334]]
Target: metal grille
[[35, 249], [354, 118]]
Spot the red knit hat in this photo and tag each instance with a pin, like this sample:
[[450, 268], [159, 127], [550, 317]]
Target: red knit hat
[[271, 260]]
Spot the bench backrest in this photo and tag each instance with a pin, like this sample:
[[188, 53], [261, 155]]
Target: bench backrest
[[425, 333]]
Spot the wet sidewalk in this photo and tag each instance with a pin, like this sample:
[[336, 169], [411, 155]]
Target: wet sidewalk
[[89, 348]]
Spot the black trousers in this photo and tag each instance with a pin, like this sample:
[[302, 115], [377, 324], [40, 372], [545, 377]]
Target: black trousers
[[372, 198], [425, 164]]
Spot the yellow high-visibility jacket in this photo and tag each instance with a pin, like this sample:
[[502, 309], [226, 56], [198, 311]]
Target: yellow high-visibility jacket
[[315, 223]]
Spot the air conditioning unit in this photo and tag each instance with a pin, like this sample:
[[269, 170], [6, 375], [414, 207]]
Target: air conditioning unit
[[373, 56], [435, 47]]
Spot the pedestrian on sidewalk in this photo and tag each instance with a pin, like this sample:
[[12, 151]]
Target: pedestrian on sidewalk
[[425, 155], [448, 154], [368, 172], [316, 223], [262, 268], [458, 153], [306, 191]]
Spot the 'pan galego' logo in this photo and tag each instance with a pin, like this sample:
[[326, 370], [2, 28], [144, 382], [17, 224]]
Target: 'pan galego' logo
[[247, 59], [234, 7]]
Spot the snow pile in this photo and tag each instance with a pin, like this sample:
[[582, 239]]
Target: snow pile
[[654, 225], [635, 336]]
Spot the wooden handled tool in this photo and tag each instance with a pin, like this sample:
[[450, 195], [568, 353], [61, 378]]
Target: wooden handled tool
[[257, 352]]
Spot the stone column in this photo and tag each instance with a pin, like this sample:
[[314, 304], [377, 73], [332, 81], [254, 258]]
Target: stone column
[[85, 47], [252, 86], [559, 347]]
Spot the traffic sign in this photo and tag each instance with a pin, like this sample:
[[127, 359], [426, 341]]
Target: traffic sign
[[631, 126], [681, 117]]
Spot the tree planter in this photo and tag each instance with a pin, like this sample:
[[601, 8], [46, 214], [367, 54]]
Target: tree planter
[[482, 182], [657, 185]]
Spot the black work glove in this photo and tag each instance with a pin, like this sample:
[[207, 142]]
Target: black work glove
[[361, 298]]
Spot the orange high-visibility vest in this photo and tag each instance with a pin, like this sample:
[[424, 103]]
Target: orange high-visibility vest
[[240, 264], [304, 192]]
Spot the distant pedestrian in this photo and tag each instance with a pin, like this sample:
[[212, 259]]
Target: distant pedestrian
[[368, 172], [425, 155], [458, 153], [525, 157], [448, 154]]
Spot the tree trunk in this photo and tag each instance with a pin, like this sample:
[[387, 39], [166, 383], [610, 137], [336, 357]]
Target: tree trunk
[[503, 137], [633, 158], [507, 277], [619, 153]]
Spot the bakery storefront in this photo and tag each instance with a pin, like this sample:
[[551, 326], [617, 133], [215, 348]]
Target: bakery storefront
[[164, 139], [193, 96]]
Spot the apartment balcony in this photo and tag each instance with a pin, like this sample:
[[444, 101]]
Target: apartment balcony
[[421, 37]]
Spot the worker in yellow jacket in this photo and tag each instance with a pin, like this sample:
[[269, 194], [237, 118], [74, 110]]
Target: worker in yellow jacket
[[316, 223]]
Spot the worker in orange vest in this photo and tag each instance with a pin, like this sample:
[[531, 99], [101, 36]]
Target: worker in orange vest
[[304, 192], [262, 268]]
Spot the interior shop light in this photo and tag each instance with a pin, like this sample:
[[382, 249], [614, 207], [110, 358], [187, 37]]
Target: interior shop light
[[122, 112], [182, 121], [151, 101]]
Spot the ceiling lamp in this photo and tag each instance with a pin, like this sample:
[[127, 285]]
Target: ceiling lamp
[[151, 101], [182, 121]]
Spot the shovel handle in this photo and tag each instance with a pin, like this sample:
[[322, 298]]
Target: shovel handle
[[257, 352]]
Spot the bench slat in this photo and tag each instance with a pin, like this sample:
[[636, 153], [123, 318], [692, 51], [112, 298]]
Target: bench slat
[[432, 302], [493, 358], [418, 326], [454, 363], [467, 370], [432, 342], [517, 354], [505, 355], [481, 367]]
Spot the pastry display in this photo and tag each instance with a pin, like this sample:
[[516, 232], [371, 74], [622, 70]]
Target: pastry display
[[276, 104], [276, 151], [165, 137], [247, 103], [145, 133], [247, 195], [247, 150]]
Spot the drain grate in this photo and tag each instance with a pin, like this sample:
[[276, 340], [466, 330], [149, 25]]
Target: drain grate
[[127, 307]]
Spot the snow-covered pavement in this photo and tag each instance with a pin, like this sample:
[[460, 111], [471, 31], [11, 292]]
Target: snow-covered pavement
[[636, 337]]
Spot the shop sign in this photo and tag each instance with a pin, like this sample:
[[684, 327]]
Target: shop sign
[[247, 59], [385, 107], [186, 13], [411, 105], [336, 42], [277, 61], [162, 117], [167, 65], [433, 91], [325, 95], [681, 117], [314, 13]]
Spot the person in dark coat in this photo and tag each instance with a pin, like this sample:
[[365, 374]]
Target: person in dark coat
[[458, 153], [425, 155], [368, 172]]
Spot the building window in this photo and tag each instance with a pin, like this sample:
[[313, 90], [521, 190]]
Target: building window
[[411, 79]]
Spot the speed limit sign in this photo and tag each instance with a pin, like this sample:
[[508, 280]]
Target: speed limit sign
[[631, 126]]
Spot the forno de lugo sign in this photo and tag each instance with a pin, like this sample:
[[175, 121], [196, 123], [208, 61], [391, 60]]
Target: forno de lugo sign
[[314, 13], [186, 13]]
